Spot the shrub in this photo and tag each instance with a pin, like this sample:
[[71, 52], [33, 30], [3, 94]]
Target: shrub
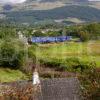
[[69, 64], [75, 64], [12, 54], [90, 83], [52, 63], [84, 35]]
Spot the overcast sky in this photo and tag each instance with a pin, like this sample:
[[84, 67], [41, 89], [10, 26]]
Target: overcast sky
[[93, 0], [12, 1], [21, 1]]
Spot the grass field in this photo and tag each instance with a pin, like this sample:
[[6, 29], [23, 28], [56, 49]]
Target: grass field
[[8, 75], [87, 51]]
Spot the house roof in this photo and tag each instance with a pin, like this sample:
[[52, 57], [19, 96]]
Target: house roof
[[60, 89], [50, 89]]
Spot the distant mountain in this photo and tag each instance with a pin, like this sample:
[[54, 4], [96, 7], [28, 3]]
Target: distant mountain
[[64, 11], [7, 7], [84, 13], [58, 0]]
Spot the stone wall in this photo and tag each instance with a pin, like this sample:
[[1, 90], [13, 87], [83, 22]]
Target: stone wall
[[23, 90]]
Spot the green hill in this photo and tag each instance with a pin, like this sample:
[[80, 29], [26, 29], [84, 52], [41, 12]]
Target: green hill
[[63, 12], [84, 13]]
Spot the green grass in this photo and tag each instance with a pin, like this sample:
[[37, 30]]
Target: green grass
[[9, 75], [87, 51]]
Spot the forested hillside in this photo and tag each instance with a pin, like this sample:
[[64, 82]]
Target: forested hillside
[[63, 12], [83, 13]]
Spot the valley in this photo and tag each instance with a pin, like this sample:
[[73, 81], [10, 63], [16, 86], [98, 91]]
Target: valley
[[49, 50]]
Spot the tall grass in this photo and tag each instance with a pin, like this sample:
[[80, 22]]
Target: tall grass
[[85, 52]]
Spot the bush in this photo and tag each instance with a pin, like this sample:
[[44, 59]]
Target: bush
[[52, 63], [7, 32], [12, 54], [90, 84], [70, 64], [84, 35]]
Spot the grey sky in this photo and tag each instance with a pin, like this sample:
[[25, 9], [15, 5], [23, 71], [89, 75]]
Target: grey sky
[[93, 0], [21, 1], [12, 1]]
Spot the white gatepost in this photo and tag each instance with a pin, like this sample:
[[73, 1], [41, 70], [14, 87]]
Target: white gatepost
[[36, 80]]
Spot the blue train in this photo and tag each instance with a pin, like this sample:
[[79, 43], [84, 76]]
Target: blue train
[[50, 39]]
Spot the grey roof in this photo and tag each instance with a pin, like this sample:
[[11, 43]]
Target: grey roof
[[60, 89]]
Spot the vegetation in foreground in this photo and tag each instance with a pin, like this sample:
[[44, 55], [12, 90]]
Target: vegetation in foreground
[[8, 75], [78, 57], [86, 52]]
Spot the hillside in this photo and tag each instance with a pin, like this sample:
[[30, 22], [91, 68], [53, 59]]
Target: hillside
[[81, 12], [51, 11], [58, 0]]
